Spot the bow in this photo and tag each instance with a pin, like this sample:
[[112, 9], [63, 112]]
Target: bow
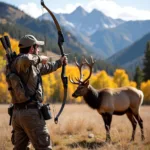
[[63, 77]]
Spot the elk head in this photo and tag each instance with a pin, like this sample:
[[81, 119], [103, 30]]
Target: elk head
[[82, 84]]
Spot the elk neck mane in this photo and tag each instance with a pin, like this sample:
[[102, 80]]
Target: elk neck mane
[[92, 97]]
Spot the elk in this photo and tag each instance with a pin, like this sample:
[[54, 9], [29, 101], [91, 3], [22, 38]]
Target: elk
[[110, 101]]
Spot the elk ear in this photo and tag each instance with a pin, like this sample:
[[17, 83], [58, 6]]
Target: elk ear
[[87, 83]]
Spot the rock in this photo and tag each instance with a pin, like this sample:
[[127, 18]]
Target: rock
[[90, 135]]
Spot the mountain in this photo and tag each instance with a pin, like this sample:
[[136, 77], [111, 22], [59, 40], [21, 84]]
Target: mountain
[[12, 15], [113, 40], [84, 22], [103, 35], [9, 13], [76, 16], [131, 56]]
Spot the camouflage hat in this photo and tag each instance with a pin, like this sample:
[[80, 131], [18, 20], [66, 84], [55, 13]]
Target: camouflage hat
[[29, 40]]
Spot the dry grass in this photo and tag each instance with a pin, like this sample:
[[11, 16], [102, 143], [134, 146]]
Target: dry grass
[[77, 122]]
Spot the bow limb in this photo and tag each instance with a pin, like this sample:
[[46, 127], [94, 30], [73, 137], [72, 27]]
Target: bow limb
[[63, 77], [52, 15]]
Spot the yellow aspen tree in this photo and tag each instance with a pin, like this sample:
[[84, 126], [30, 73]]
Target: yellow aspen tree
[[145, 87], [133, 84], [49, 86], [2, 63], [93, 79], [52, 82], [79, 100], [14, 45], [112, 83], [103, 80], [4, 93], [121, 78], [46, 86], [58, 90]]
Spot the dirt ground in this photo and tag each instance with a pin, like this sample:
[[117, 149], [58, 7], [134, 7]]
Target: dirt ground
[[81, 128]]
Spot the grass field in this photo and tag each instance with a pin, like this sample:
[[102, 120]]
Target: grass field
[[75, 125]]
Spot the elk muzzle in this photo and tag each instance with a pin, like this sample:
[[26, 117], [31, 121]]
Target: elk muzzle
[[74, 95]]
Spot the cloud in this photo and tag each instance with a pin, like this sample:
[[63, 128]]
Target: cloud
[[31, 9], [68, 8], [108, 7], [112, 9]]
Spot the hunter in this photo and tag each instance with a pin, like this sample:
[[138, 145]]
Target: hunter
[[28, 122]]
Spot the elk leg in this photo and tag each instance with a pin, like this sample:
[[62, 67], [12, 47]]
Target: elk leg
[[133, 122], [140, 122], [107, 117]]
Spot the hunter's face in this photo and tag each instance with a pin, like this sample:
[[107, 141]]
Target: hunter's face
[[35, 49]]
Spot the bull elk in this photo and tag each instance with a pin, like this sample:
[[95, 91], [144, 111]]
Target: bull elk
[[109, 101]]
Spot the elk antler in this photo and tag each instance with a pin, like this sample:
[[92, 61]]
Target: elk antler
[[78, 80], [90, 65], [84, 62], [80, 69], [73, 82]]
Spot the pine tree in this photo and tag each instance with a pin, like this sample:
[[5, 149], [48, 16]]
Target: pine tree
[[146, 69], [138, 77]]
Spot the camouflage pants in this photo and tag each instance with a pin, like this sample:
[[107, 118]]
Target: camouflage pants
[[29, 126]]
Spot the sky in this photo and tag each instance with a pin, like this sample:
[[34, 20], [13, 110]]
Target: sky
[[123, 9]]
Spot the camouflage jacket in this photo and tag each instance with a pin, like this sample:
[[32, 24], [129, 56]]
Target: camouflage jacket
[[30, 69]]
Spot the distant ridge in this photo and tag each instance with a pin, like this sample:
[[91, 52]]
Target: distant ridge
[[132, 55]]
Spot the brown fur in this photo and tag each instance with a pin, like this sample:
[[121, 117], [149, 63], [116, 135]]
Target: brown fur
[[118, 101], [109, 101]]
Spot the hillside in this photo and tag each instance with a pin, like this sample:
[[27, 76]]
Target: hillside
[[13, 16], [9, 13], [132, 55], [111, 41]]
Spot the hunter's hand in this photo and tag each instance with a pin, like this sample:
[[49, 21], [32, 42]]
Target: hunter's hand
[[44, 59], [64, 60]]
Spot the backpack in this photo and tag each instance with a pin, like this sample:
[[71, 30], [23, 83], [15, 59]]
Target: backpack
[[16, 87]]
